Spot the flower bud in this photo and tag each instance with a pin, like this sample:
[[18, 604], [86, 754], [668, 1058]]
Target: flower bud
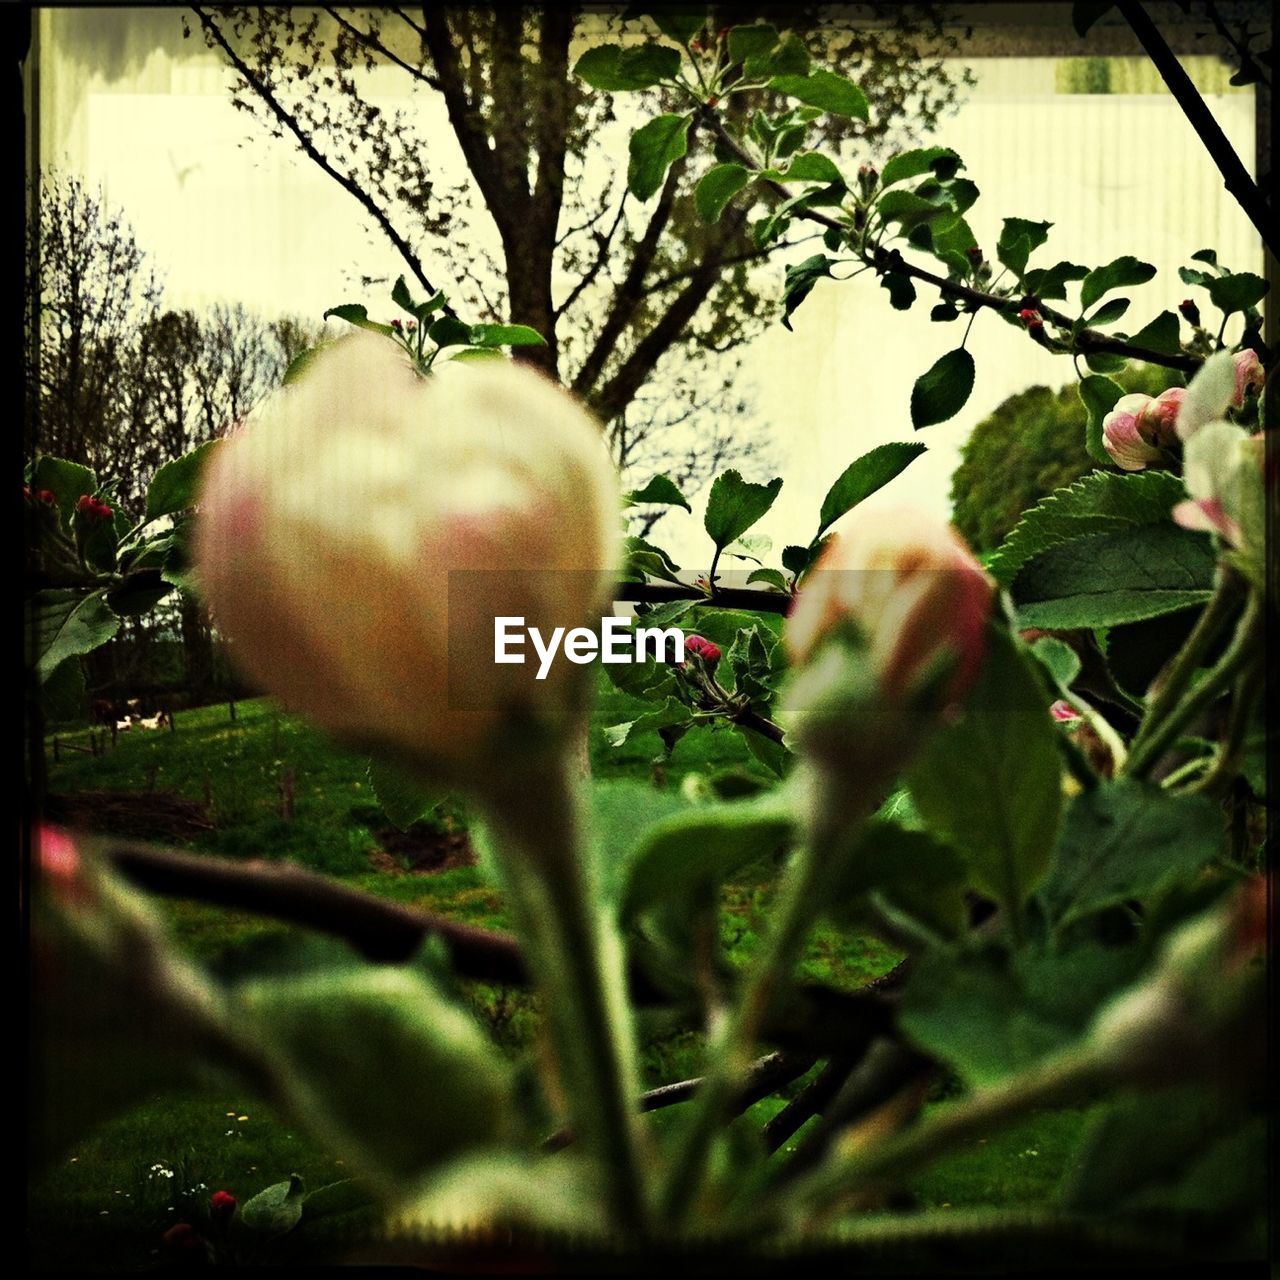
[[1032, 319], [222, 1205], [1223, 472], [1250, 375], [1123, 436], [974, 254], [1064, 713], [358, 539], [1157, 423], [703, 648], [92, 509], [912, 594], [1190, 312]]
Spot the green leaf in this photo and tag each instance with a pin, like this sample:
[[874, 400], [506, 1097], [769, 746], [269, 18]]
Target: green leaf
[[717, 187], [400, 296], [824, 89], [654, 148], [449, 331], [661, 489], [403, 799], [1109, 579], [63, 693], [911, 210], [67, 481], [751, 41], [796, 560], [735, 504], [1019, 239], [65, 624], [379, 1065], [1098, 394], [862, 477], [1051, 282], [913, 870], [990, 1014], [1126, 840], [274, 1211], [788, 57], [902, 293], [354, 313], [1162, 334], [1102, 502], [611, 67], [1059, 659], [799, 280], [1119, 274], [300, 363], [173, 487], [506, 335], [774, 578], [1109, 312], [671, 713], [941, 161], [941, 392], [808, 166], [679, 23], [697, 849], [991, 784], [1236, 292], [136, 595]]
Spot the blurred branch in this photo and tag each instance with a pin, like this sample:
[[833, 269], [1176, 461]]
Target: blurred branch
[[817, 1018]]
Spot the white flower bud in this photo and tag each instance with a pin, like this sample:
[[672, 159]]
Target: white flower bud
[[329, 527]]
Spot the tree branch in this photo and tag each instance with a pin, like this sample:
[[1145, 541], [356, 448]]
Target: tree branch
[[309, 149], [816, 1019], [1084, 342], [1235, 176], [368, 39]]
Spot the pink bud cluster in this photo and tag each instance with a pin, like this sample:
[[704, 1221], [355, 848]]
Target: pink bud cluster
[[92, 508], [703, 648]]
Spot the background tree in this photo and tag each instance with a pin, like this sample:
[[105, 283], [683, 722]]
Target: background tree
[[613, 283], [1028, 447]]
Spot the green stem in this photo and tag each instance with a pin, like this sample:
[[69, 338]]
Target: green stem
[[729, 1053], [1177, 676], [1057, 1083], [1150, 746], [577, 964], [1227, 766]]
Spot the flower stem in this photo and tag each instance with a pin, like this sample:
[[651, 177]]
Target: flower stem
[[1149, 746], [576, 960]]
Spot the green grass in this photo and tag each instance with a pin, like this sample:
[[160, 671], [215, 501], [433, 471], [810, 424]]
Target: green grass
[[101, 1201]]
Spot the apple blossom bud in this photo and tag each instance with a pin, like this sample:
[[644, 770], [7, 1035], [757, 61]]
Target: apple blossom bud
[[867, 178], [1064, 713], [974, 254], [1223, 469], [1032, 319], [92, 509], [1190, 312], [1157, 423], [1250, 375], [222, 1205], [357, 541], [913, 594], [703, 648], [1123, 436]]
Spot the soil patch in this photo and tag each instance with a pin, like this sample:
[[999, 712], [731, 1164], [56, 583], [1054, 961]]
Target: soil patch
[[420, 850]]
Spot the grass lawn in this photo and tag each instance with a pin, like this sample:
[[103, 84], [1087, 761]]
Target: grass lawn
[[217, 787]]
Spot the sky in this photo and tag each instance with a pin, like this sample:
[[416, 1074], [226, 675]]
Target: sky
[[227, 213]]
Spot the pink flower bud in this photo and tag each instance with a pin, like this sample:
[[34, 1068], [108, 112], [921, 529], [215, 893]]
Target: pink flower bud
[[222, 1204], [1157, 422], [703, 648], [1190, 312], [1250, 375], [1032, 319], [1063, 712], [357, 541], [92, 509], [1123, 436], [1223, 471], [911, 590]]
